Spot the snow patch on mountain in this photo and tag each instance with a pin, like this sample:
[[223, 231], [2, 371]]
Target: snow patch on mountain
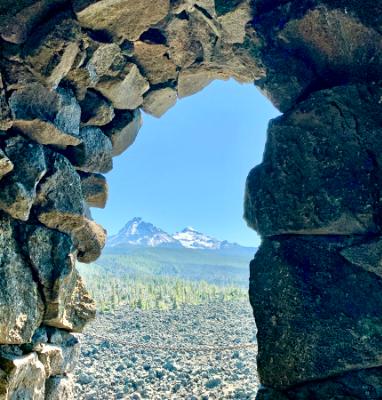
[[140, 233]]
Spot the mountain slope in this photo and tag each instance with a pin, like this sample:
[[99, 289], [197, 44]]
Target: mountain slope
[[144, 234]]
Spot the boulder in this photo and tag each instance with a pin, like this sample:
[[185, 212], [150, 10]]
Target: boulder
[[125, 91], [94, 189], [52, 257], [18, 26], [123, 130], [192, 81], [54, 49], [321, 168], [5, 112], [18, 187], [22, 377], [154, 62], [121, 18], [158, 102], [96, 110], [60, 205], [94, 154], [107, 60], [60, 358], [47, 117], [318, 314], [21, 308], [59, 388]]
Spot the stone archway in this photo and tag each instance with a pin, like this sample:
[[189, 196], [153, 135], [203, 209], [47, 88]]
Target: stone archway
[[74, 74]]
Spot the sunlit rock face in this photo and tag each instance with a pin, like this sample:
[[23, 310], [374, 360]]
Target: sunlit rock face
[[74, 76]]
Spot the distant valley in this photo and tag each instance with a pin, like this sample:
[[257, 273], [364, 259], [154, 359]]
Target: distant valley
[[144, 256]]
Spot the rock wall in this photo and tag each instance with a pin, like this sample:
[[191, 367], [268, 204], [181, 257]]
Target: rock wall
[[74, 75]]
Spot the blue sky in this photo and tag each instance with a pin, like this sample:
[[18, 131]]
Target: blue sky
[[189, 167]]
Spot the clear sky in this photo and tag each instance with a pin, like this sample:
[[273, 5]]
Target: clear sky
[[189, 167]]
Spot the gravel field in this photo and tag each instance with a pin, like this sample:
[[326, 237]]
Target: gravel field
[[197, 352]]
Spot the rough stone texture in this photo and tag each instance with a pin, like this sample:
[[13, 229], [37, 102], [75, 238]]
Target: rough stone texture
[[126, 92], [47, 117], [94, 154], [21, 308], [18, 188], [52, 257], [329, 182], [125, 18], [22, 377], [59, 388], [94, 189], [322, 310], [123, 130], [158, 102], [96, 110], [71, 64]]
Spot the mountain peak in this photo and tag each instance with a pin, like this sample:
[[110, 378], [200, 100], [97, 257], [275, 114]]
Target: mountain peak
[[138, 232]]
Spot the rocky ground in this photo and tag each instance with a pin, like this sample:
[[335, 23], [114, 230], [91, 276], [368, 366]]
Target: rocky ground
[[178, 354]]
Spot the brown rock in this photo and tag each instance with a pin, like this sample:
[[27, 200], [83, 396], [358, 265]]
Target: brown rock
[[126, 91], [22, 377], [20, 25], [192, 81], [6, 164], [123, 130], [155, 63], [94, 189], [157, 102], [96, 110], [122, 18]]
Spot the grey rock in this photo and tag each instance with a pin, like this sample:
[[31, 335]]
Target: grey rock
[[123, 130], [59, 388], [67, 303], [22, 377], [321, 167], [47, 117], [21, 308], [18, 187], [94, 154], [308, 319]]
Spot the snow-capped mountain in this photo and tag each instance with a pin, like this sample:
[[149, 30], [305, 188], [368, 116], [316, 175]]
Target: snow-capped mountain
[[192, 239], [140, 233]]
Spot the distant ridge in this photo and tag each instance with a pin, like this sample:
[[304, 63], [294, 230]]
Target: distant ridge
[[138, 232]]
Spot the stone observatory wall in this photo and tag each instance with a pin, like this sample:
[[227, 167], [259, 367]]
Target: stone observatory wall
[[74, 75]]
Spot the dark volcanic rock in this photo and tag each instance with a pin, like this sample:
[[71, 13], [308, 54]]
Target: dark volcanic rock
[[324, 159], [52, 257], [21, 308], [94, 154], [317, 313], [18, 187]]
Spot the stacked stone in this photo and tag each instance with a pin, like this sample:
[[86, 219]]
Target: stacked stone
[[316, 281], [74, 75], [73, 78]]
